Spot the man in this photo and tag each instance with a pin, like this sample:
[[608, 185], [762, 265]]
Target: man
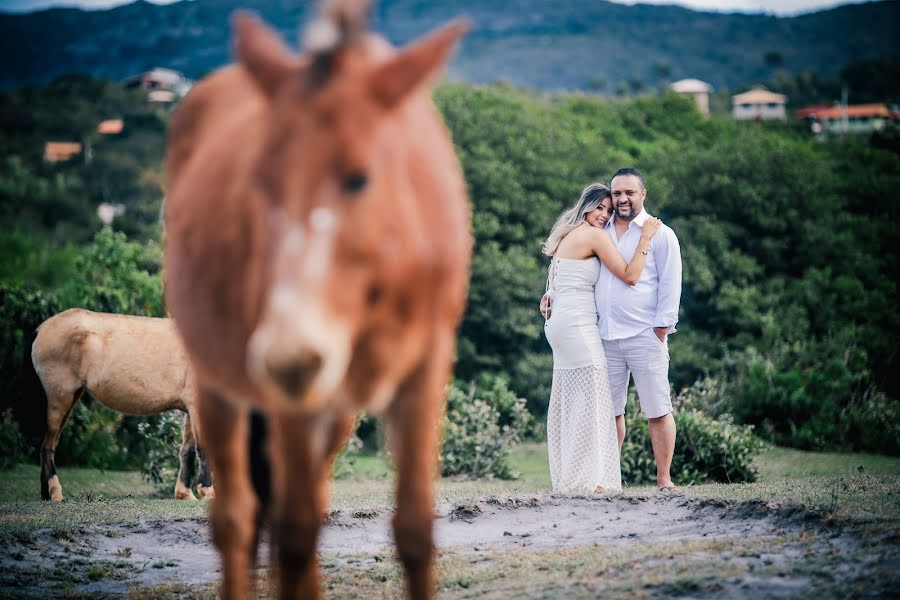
[[635, 321]]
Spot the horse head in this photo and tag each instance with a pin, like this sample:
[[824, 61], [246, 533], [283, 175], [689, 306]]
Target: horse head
[[335, 180]]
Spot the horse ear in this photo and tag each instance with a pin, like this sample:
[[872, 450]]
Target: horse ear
[[259, 49], [415, 64]]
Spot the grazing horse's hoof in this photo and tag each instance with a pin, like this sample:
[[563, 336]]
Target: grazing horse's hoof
[[206, 492], [55, 489], [182, 492]]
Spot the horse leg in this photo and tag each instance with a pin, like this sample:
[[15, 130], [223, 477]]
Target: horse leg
[[204, 479], [413, 422], [232, 515], [305, 447], [188, 458], [59, 407]]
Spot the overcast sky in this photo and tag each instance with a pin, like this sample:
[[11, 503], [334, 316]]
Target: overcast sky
[[780, 7]]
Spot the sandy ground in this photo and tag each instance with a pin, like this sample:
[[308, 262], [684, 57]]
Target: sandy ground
[[111, 559]]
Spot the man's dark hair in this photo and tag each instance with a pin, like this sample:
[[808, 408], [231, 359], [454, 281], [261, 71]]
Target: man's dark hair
[[627, 171]]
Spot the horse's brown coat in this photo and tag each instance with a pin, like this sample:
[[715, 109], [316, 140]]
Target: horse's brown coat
[[317, 254], [133, 365]]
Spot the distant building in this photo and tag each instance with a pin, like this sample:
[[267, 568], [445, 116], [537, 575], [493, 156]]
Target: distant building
[[854, 118], [107, 212], [160, 78], [60, 151], [110, 126], [161, 97], [759, 103], [698, 90]]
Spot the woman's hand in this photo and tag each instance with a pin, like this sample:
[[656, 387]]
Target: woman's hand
[[651, 226], [545, 306]]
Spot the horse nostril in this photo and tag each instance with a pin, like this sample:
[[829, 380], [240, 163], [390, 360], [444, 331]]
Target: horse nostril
[[293, 376]]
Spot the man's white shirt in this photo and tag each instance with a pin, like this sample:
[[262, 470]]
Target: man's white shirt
[[624, 311]]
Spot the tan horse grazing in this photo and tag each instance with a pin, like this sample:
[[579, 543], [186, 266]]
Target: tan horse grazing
[[133, 365], [317, 252]]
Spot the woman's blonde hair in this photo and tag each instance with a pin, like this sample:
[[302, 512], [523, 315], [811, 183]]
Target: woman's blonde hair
[[591, 197]]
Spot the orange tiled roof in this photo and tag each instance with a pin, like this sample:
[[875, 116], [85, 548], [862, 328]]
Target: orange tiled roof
[[852, 111], [110, 126], [59, 151]]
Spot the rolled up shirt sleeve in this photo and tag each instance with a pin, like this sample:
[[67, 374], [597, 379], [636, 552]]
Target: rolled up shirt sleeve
[[668, 266]]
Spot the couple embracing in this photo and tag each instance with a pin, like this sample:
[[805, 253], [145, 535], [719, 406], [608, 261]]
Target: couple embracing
[[608, 320]]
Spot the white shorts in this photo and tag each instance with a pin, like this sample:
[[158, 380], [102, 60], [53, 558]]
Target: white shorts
[[646, 359]]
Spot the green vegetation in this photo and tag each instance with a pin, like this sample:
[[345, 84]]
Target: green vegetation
[[788, 298], [788, 312], [843, 496], [854, 487], [482, 424]]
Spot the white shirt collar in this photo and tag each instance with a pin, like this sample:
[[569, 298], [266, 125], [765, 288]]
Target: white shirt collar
[[638, 220]]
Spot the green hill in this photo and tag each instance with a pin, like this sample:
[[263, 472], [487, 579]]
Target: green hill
[[542, 44]]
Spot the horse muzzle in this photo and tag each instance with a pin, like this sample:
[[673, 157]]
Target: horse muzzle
[[302, 371]]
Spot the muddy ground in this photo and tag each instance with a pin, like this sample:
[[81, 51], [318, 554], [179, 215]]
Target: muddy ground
[[116, 559]]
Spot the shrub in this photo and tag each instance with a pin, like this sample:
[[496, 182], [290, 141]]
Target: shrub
[[12, 444], [875, 424], [88, 438], [706, 449], [100, 438], [483, 421], [117, 276], [152, 445], [813, 400], [22, 309]]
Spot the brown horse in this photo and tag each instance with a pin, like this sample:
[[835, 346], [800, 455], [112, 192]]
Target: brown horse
[[317, 252], [134, 365]]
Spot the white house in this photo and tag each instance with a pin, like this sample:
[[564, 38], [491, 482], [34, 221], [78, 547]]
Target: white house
[[854, 118], [759, 103], [698, 90], [160, 79]]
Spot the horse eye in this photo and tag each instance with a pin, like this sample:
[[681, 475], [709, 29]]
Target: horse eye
[[354, 183]]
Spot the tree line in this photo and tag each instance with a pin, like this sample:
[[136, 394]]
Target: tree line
[[788, 315]]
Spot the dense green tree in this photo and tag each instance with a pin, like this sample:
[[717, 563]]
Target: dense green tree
[[789, 298]]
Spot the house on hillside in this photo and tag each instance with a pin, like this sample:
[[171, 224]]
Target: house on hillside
[[757, 104], [696, 89], [110, 126], [850, 119], [107, 212], [60, 151], [161, 97], [160, 78]]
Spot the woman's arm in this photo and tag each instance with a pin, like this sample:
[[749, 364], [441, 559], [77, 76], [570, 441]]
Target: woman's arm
[[606, 251]]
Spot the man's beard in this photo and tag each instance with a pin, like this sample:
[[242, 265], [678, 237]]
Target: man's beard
[[626, 217]]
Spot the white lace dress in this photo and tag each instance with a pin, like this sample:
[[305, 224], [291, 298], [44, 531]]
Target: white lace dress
[[581, 428]]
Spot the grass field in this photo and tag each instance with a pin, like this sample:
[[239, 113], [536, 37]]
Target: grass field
[[857, 494], [851, 486]]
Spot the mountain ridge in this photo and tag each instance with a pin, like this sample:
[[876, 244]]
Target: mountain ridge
[[540, 44]]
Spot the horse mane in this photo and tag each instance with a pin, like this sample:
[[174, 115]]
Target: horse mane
[[341, 24]]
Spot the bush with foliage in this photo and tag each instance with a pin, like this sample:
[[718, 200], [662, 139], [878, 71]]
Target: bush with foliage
[[483, 421], [117, 275], [12, 444], [706, 450], [789, 298]]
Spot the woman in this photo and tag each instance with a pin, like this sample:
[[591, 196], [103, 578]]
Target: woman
[[581, 428]]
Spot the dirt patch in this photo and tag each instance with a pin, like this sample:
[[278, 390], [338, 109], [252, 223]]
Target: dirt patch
[[111, 559]]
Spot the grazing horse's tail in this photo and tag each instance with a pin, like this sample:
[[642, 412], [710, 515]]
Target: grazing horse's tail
[[30, 406]]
